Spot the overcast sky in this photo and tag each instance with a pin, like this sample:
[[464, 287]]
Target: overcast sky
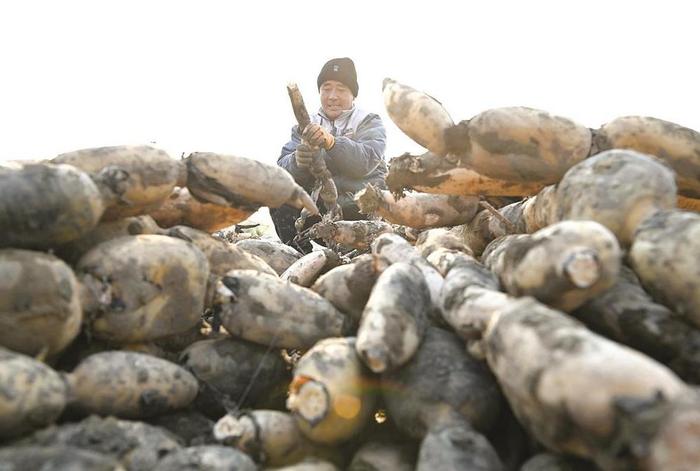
[[211, 75]]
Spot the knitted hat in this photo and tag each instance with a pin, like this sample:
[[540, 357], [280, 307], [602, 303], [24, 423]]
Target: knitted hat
[[341, 69]]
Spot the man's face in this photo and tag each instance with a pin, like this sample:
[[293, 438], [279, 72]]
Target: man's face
[[335, 98]]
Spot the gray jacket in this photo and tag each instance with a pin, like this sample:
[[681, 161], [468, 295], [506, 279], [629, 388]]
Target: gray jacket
[[356, 158]]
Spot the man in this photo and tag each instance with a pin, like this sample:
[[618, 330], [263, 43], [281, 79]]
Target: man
[[350, 140]]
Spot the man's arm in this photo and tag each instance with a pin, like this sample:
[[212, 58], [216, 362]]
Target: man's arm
[[356, 158], [287, 161]]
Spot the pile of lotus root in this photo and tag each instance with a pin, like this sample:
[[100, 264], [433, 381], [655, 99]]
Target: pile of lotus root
[[525, 296]]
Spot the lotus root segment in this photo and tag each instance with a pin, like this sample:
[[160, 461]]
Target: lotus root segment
[[40, 310], [607, 188], [330, 395], [37, 394], [146, 176], [143, 287], [130, 385], [44, 205], [420, 116]]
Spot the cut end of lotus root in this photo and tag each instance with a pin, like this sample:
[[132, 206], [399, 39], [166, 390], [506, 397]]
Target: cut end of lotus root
[[309, 400], [231, 429], [376, 358], [582, 268]]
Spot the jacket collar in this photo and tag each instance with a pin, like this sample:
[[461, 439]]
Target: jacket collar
[[344, 116]]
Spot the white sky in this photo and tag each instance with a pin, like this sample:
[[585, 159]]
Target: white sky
[[211, 75]]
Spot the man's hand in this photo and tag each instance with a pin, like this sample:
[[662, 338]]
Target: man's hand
[[317, 136], [304, 155]]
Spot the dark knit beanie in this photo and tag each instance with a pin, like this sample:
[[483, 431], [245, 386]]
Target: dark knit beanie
[[341, 69]]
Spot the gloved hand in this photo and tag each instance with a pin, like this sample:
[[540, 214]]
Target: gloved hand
[[304, 155], [316, 135]]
